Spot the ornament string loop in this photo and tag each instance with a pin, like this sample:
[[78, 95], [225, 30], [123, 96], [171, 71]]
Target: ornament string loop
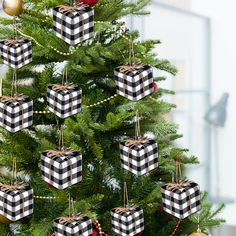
[[14, 84], [126, 207], [126, 197], [131, 52], [178, 164], [14, 169], [64, 77], [64, 82], [137, 126], [61, 138], [14, 185]]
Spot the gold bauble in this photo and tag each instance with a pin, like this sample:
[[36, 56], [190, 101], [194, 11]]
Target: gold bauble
[[13, 7], [4, 220], [198, 233]]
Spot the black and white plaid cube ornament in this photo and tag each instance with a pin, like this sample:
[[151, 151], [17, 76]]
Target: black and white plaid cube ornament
[[61, 169], [181, 199], [139, 156], [16, 52], [134, 82], [64, 100], [16, 201], [127, 221], [16, 112], [73, 225], [73, 23]]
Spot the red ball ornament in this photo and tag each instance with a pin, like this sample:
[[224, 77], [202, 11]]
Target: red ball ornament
[[49, 185], [139, 234], [91, 3], [95, 233], [155, 86]]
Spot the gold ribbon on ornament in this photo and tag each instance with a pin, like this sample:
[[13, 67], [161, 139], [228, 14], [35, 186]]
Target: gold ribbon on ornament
[[10, 42], [58, 153], [174, 186], [9, 187], [71, 8], [67, 219], [8, 99], [125, 209], [129, 68], [60, 87], [132, 142]]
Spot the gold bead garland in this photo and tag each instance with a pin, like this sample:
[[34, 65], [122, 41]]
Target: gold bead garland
[[71, 52], [88, 106], [45, 197]]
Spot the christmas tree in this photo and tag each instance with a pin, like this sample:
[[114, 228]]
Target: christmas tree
[[106, 119]]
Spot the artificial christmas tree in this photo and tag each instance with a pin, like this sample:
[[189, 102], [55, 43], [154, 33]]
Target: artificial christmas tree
[[105, 120]]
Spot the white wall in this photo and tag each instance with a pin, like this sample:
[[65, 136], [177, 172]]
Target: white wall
[[223, 17]]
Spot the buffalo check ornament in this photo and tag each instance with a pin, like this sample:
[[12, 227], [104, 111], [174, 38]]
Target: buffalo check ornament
[[181, 199], [64, 100], [16, 201], [16, 52], [73, 225], [61, 169], [73, 23], [134, 82], [139, 155], [129, 219], [16, 112]]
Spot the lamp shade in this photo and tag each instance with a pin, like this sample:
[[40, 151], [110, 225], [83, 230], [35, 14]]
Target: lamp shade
[[217, 114]]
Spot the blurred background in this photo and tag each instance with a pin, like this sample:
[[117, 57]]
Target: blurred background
[[198, 37]]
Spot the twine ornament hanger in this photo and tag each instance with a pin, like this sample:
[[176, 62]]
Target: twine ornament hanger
[[178, 182], [61, 138], [72, 216], [126, 206], [137, 126], [64, 83], [132, 64], [13, 185]]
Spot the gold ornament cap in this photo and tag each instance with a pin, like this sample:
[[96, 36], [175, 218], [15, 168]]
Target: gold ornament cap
[[13, 7]]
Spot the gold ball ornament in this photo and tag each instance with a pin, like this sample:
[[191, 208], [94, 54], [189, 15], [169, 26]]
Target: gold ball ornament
[[13, 7], [198, 233], [4, 220]]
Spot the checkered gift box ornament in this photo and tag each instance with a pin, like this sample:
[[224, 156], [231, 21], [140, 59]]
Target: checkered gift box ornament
[[134, 82], [73, 225], [61, 168], [73, 23], [181, 198], [16, 112], [64, 100], [16, 52], [16, 201], [139, 155], [127, 220]]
